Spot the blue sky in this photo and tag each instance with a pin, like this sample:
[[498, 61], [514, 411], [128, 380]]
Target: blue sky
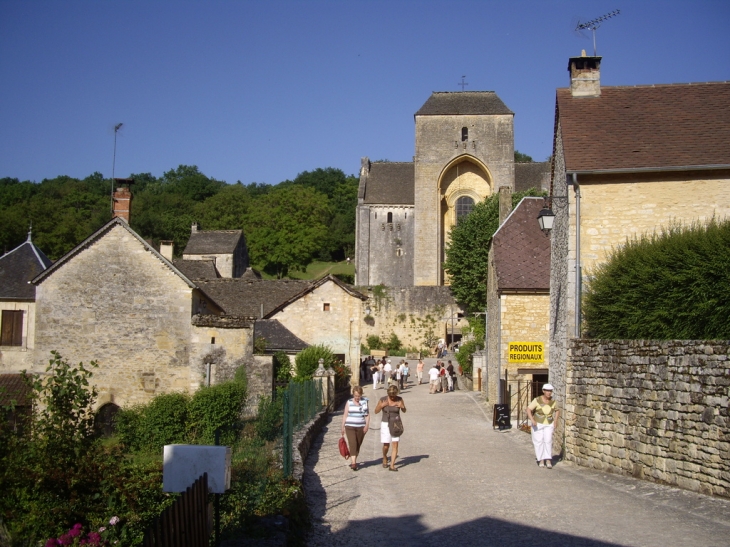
[[259, 91]]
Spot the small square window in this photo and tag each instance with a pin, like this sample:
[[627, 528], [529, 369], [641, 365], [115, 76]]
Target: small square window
[[326, 306]]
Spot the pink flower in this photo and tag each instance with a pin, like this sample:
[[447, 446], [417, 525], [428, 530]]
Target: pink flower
[[52, 542], [114, 521], [102, 529], [94, 538]]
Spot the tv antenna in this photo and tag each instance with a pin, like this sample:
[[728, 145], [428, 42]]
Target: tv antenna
[[463, 83], [593, 24], [117, 127]]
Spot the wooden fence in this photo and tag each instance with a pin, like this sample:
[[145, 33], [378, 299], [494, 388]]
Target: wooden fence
[[186, 523]]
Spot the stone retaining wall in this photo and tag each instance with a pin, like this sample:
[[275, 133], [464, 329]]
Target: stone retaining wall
[[654, 410]]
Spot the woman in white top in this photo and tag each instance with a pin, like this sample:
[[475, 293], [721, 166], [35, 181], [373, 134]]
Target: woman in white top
[[543, 413], [355, 423]]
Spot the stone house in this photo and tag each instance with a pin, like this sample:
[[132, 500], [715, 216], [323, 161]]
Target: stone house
[[326, 311], [518, 303], [17, 304], [464, 152], [115, 300], [628, 160], [225, 249]]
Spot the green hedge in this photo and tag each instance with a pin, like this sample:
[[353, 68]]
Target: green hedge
[[669, 285]]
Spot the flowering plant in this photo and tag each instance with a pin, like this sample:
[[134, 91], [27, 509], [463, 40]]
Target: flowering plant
[[77, 536]]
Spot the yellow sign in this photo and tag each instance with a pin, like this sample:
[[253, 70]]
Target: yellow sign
[[526, 352]]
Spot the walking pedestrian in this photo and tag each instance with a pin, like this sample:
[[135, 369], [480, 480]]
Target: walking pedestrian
[[406, 373], [543, 414], [433, 375], [376, 377], [450, 376], [387, 369], [400, 373], [355, 423], [442, 375], [391, 407], [419, 371]]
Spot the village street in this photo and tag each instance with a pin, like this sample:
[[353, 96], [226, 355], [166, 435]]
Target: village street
[[462, 483]]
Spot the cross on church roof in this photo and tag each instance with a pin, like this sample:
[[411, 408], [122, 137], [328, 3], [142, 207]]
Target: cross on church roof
[[463, 83]]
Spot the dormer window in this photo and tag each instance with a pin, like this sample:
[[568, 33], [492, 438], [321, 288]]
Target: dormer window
[[464, 134]]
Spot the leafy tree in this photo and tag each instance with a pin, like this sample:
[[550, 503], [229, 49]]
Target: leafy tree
[[282, 367], [467, 252], [669, 285], [307, 361], [522, 158], [286, 228]]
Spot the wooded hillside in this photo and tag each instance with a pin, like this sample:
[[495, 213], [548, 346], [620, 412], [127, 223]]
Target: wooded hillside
[[287, 225]]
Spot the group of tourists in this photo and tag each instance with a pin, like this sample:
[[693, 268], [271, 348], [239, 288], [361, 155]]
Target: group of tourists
[[442, 378], [542, 411], [385, 374]]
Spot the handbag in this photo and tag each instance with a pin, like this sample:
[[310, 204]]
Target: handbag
[[344, 450], [395, 424]]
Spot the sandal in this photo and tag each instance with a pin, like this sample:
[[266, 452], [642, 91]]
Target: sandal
[[353, 466], [541, 464], [549, 464], [392, 469]]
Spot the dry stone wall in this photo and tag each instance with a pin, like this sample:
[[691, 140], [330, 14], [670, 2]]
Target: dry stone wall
[[654, 410]]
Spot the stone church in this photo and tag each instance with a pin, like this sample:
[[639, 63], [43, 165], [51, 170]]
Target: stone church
[[464, 153]]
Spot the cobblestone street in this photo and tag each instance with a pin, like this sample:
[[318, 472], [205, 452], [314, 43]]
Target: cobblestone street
[[461, 482]]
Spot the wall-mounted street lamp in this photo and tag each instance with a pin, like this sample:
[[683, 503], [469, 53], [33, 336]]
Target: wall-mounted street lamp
[[545, 218]]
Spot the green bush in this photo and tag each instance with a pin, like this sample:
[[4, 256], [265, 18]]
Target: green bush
[[282, 367], [163, 421], [670, 285], [270, 418], [306, 361], [214, 407], [464, 357], [374, 342], [393, 343]]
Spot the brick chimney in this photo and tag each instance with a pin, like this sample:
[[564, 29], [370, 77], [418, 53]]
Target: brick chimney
[[166, 248], [122, 199], [585, 76]]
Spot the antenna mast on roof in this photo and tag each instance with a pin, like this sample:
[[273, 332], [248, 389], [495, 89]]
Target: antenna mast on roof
[[593, 24], [462, 83], [117, 127]]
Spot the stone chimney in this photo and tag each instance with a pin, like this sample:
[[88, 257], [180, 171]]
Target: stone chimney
[[194, 228], [166, 248], [122, 199], [505, 203], [585, 76]]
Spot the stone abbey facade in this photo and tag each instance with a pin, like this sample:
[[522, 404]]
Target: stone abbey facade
[[464, 153]]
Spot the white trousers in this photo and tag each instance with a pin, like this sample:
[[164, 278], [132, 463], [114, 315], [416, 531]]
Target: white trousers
[[542, 438], [376, 377]]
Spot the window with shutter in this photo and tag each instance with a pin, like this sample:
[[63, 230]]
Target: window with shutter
[[11, 328]]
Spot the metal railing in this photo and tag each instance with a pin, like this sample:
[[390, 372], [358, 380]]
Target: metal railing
[[302, 402]]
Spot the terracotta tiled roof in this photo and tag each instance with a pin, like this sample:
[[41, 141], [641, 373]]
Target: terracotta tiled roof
[[532, 175], [14, 389], [463, 103], [522, 251], [197, 269], [390, 183], [277, 336], [659, 127], [213, 242], [17, 268]]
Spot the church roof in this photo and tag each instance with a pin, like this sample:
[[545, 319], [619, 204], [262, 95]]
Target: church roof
[[655, 127], [532, 175], [197, 269], [17, 268], [389, 183], [213, 242], [277, 336], [463, 103], [522, 250]]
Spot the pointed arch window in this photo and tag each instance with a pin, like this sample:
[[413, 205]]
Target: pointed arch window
[[464, 205]]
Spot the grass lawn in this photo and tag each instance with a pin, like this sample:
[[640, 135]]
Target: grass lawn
[[319, 269]]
